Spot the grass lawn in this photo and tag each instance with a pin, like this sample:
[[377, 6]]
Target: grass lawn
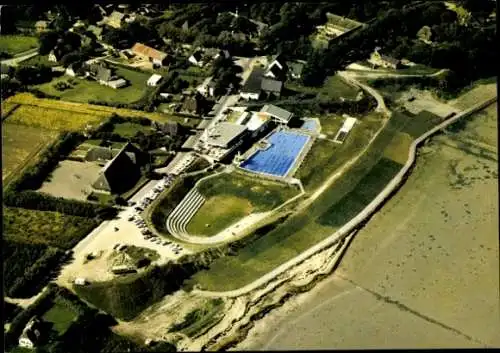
[[325, 156], [84, 90], [102, 198], [129, 130], [217, 213], [20, 145], [201, 319], [336, 205], [61, 316], [44, 227], [262, 194], [334, 87], [15, 44], [39, 60]]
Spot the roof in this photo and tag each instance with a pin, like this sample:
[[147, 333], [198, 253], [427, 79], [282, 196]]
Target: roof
[[120, 173], [144, 50], [295, 67], [117, 83], [276, 71], [257, 120], [197, 55], [95, 29], [224, 133], [154, 79], [116, 17], [277, 57], [277, 112], [270, 85], [253, 83], [41, 23]]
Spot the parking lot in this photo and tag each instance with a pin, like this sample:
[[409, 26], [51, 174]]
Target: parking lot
[[127, 229]]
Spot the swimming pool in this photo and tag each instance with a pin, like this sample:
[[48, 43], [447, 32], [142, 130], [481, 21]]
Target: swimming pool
[[280, 156], [311, 125]]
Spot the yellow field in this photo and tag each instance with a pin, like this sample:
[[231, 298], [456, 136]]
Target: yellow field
[[7, 108], [60, 115], [398, 149], [20, 144]]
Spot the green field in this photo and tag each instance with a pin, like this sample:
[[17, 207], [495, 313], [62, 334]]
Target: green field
[[231, 197], [201, 319], [264, 195], [20, 144], [44, 227], [334, 87], [83, 90], [326, 156], [129, 130], [61, 316], [15, 44], [367, 177], [218, 213], [39, 60]]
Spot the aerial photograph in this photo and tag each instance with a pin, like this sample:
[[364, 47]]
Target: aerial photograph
[[249, 176]]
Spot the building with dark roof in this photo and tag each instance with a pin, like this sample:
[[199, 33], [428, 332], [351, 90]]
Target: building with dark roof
[[120, 173], [252, 87], [271, 87], [295, 69]]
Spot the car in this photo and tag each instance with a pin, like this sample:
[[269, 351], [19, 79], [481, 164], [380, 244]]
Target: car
[[116, 246], [166, 242], [131, 203], [131, 218], [138, 208]]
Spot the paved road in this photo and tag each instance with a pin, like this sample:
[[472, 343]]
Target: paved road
[[354, 222]]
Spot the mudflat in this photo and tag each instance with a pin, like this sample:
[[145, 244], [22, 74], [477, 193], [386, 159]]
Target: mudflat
[[424, 271]]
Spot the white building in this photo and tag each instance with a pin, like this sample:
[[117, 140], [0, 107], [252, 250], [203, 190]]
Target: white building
[[154, 80]]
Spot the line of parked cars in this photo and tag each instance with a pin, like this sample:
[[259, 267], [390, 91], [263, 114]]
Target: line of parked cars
[[145, 201]]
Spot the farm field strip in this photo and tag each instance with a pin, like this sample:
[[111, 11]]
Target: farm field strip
[[21, 144]]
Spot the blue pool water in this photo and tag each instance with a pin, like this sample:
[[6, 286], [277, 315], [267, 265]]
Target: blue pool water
[[309, 125], [280, 156]]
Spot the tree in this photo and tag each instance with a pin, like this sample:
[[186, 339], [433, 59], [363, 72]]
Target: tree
[[424, 34], [47, 41]]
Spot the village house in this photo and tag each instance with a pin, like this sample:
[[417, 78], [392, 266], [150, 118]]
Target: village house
[[31, 334], [196, 58], [378, 59], [41, 26], [116, 19], [295, 69], [120, 173], [104, 75], [207, 87], [96, 31], [271, 87], [251, 89], [154, 80], [277, 68], [157, 57]]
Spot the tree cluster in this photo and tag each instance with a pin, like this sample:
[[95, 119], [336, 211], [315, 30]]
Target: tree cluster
[[225, 74]]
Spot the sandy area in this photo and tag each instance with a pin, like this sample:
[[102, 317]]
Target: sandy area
[[103, 239], [72, 180], [425, 101], [421, 278]]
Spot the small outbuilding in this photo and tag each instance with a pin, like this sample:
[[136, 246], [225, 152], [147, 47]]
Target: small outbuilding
[[154, 80]]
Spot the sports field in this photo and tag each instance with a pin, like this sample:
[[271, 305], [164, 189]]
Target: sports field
[[20, 144], [279, 155], [230, 197]]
